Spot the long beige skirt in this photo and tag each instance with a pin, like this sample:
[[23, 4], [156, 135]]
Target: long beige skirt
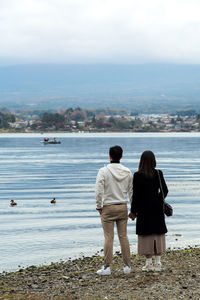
[[151, 244]]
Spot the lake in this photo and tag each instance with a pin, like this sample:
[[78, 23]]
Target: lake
[[36, 232]]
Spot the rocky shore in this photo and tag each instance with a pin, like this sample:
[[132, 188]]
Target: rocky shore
[[77, 279]]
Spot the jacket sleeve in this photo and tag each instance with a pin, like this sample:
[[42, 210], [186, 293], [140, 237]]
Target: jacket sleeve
[[99, 189], [164, 186], [130, 187], [135, 196]]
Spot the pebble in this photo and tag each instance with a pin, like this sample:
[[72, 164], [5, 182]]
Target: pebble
[[78, 279]]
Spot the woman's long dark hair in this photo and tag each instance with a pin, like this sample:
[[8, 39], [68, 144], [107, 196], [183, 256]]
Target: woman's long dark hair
[[147, 163]]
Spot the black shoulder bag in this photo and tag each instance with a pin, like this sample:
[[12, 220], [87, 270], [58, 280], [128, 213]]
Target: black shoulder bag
[[167, 208]]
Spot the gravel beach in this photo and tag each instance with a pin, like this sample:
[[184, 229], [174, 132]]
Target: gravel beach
[[77, 279]]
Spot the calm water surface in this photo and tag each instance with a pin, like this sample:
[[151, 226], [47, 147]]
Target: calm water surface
[[37, 232]]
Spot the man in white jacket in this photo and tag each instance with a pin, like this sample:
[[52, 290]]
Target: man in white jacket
[[113, 185]]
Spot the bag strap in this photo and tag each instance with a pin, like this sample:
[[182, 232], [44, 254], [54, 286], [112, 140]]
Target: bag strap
[[161, 186]]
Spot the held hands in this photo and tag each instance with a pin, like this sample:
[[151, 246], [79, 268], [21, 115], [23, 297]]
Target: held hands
[[132, 216], [99, 210]]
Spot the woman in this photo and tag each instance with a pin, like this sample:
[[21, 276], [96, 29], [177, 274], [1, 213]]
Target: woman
[[147, 207]]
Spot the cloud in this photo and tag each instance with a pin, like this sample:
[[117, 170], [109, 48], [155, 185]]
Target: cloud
[[114, 31]]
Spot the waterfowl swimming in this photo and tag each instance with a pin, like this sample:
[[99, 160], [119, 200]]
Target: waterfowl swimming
[[13, 203], [53, 201]]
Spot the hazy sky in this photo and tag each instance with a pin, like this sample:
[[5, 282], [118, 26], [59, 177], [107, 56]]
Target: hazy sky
[[99, 31]]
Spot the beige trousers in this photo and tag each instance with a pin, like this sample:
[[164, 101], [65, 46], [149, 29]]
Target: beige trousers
[[110, 215]]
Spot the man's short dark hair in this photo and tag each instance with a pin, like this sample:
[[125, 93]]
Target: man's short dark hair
[[116, 153]]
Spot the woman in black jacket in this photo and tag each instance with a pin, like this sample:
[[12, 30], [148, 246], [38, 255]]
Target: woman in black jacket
[[147, 208]]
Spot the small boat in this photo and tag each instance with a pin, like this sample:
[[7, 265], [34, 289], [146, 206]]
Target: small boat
[[47, 141]]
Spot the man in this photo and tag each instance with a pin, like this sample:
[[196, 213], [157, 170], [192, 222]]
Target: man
[[113, 184]]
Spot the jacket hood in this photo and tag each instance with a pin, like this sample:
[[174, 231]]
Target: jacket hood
[[118, 171]]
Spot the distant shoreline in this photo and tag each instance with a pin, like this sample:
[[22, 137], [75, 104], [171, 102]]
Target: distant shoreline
[[99, 131], [99, 134]]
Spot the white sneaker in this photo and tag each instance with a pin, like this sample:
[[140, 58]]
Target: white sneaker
[[127, 269], [148, 267], [157, 267], [104, 271]]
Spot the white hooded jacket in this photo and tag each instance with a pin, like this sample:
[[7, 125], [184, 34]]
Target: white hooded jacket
[[113, 184]]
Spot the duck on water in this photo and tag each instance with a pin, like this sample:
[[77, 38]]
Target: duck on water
[[13, 203]]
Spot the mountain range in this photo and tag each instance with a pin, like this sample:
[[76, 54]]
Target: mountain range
[[144, 88]]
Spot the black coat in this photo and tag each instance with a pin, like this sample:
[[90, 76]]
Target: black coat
[[147, 203]]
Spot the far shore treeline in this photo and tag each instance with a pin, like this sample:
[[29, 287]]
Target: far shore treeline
[[97, 120]]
